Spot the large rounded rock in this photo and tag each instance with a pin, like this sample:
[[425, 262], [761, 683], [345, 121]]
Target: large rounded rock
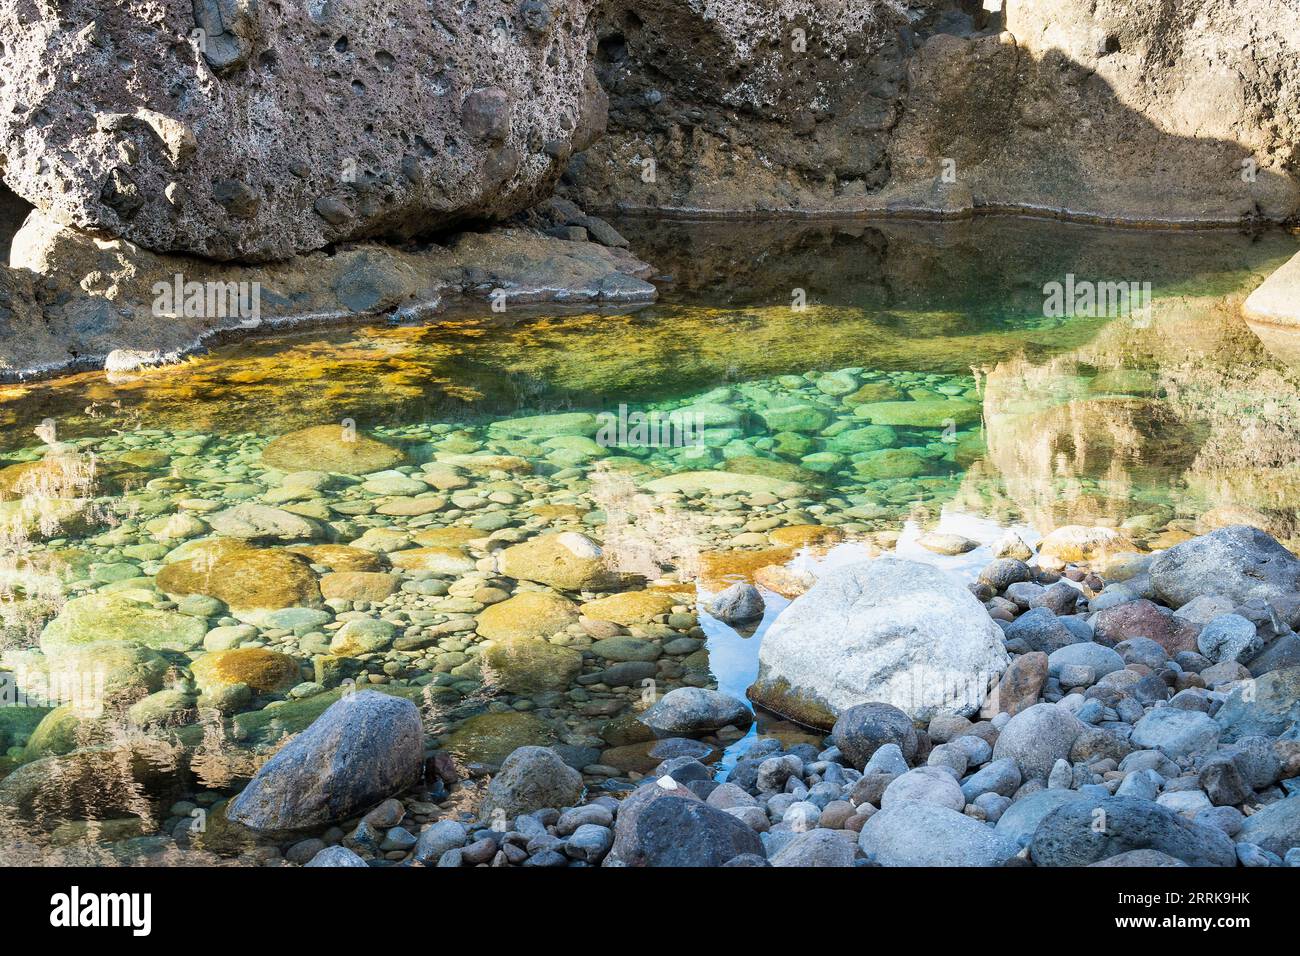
[[122, 672], [330, 448], [925, 834], [738, 604], [528, 614], [1019, 821], [250, 581], [361, 636], [530, 665], [924, 785], [863, 729], [365, 747], [628, 849], [253, 522], [631, 607], [1083, 832], [1100, 658], [688, 711], [1038, 737], [816, 848], [264, 671], [892, 631], [490, 738], [1239, 562], [115, 617], [530, 779], [1040, 630], [292, 127], [1229, 637], [1267, 706], [567, 561], [677, 832], [1143, 618], [1081, 543], [1176, 732]]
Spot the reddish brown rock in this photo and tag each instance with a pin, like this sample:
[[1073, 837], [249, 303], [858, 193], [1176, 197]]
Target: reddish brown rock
[[1143, 618], [1022, 682]]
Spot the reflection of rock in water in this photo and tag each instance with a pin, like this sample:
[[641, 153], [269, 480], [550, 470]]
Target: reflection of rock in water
[[1185, 415]]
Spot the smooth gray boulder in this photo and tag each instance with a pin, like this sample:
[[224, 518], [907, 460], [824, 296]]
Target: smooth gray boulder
[[1275, 828], [1239, 562], [1000, 776], [336, 856], [691, 711], [365, 747], [1267, 706], [1041, 630], [1229, 637], [888, 630], [437, 838], [1088, 831], [1176, 732], [924, 785], [1103, 660], [816, 848], [924, 834], [1019, 821], [1036, 738], [674, 831], [742, 603]]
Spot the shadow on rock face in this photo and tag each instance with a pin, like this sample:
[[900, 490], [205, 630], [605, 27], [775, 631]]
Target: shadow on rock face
[[1119, 114]]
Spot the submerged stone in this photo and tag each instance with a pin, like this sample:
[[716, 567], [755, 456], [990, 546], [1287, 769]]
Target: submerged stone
[[330, 448], [530, 665], [528, 614], [930, 413], [115, 617]]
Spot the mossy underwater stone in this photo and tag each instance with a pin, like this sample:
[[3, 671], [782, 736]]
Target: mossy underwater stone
[[719, 483], [891, 463], [339, 557], [330, 448], [116, 617], [631, 607], [264, 671], [491, 738], [782, 471], [61, 731], [928, 413], [529, 614], [114, 672], [248, 581], [359, 585], [362, 636], [584, 424], [567, 561], [530, 665]]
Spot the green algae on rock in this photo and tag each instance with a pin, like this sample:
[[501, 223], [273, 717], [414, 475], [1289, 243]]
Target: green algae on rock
[[336, 448], [116, 617]]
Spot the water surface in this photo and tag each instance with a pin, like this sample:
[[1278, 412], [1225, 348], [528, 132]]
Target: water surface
[[922, 386]]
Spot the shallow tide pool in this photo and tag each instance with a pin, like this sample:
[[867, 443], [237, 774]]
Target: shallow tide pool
[[837, 389]]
